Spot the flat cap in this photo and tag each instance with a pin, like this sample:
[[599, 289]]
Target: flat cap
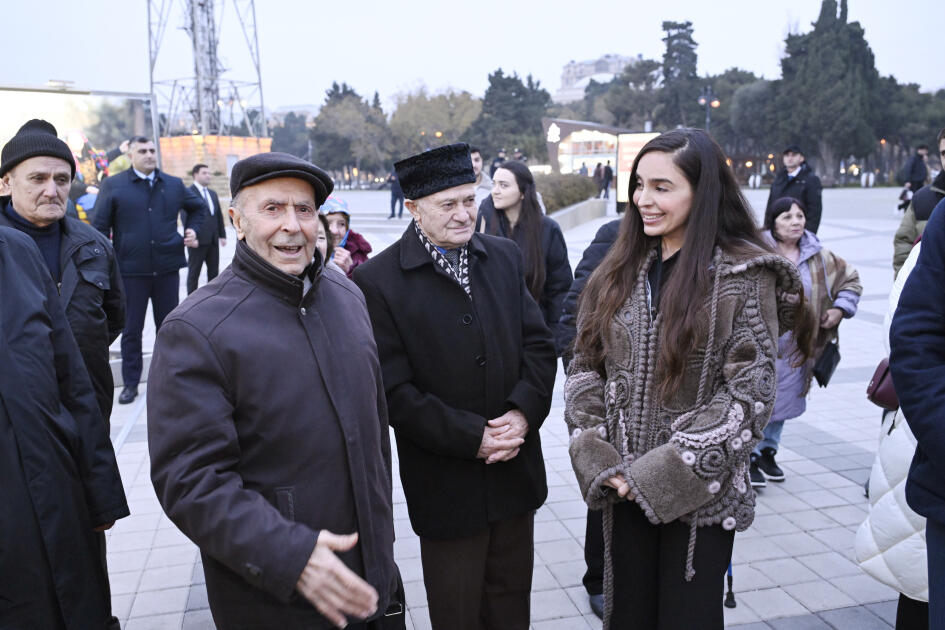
[[35, 138], [792, 148], [430, 172], [262, 166]]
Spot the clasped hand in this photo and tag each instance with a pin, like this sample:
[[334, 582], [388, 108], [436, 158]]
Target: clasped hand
[[503, 436], [619, 483]]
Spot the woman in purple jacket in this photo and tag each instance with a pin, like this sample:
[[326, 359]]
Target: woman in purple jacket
[[832, 289]]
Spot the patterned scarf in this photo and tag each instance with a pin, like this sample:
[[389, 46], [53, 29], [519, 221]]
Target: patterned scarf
[[454, 262]]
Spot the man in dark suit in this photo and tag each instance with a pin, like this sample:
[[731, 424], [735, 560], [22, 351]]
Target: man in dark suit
[[212, 234], [138, 208], [468, 368]]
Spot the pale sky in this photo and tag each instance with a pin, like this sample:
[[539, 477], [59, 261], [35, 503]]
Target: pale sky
[[393, 47]]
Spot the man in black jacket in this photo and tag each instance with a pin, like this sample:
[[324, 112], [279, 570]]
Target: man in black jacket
[[797, 180], [59, 480], [212, 234], [917, 168], [138, 208], [36, 168], [468, 368], [267, 423]]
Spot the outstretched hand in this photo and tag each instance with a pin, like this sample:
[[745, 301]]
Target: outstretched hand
[[334, 589]]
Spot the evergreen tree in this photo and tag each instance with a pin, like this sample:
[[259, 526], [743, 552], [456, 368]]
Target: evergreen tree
[[680, 80], [511, 116], [826, 97]]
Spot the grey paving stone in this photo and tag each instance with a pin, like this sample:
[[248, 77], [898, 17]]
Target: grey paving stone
[[855, 618], [864, 589], [885, 610], [760, 625], [569, 623], [772, 603], [197, 597], [547, 531], [784, 571], [124, 582], [809, 520], [830, 564], [198, 620], [552, 605], [568, 573], [771, 524], [559, 551], [798, 544], [166, 577], [821, 498], [156, 622], [803, 622], [819, 595], [171, 600]]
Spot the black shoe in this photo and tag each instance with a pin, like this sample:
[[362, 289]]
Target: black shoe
[[757, 479], [597, 605], [391, 217], [128, 394], [768, 466]]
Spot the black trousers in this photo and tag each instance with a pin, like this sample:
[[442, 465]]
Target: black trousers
[[163, 292], [935, 543], [594, 553], [912, 614], [484, 581], [649, 562], [196, 257]]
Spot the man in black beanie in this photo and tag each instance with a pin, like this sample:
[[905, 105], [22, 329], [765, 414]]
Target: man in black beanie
[[53, 574], [138, 208], [469, 367]]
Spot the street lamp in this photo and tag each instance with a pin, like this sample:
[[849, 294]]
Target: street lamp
[[710, 101]]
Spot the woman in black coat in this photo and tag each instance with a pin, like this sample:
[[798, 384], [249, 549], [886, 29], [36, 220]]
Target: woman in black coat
[[513, 211], [58, 475]]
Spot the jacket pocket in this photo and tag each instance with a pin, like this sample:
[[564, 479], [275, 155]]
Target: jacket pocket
[[96, 277], [285, 502]]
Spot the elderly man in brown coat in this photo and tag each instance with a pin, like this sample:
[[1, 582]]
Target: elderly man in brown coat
[[267, 453]]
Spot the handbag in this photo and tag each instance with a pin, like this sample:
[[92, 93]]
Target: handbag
[[826, 363], [881, 391]]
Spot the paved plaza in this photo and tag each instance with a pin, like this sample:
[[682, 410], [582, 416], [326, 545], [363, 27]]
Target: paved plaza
[[793, 568]]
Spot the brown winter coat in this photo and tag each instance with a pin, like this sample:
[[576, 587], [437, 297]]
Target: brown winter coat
[[685, 457]]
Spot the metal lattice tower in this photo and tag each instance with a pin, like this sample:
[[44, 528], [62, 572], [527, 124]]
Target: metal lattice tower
[[196, 104]]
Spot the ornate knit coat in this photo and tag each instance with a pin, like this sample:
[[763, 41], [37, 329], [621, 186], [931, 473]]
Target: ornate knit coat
[[684, 456]]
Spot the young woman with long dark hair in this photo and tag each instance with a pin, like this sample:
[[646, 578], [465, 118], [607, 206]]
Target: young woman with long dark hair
[[513, 211], [673, 380]]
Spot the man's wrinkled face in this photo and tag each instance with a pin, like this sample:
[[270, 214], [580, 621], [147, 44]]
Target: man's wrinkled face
[[39, 188], [143, 156], [792, 160], [278, 219], [202, 177], [448, 217], [477, 163]]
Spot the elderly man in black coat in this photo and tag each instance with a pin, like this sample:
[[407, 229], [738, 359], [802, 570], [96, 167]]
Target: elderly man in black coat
[[266, 451], [59, 481], [468, 367], [37, 170]]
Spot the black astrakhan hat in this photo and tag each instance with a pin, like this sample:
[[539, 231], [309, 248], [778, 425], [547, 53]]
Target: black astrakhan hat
[[262, 166], [430, 172], [35, 138]]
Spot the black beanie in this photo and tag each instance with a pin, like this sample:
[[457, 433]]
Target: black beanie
[[35, 138]]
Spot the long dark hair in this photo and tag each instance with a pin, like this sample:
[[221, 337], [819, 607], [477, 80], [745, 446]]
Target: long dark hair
[[528, 226], [719, 217]]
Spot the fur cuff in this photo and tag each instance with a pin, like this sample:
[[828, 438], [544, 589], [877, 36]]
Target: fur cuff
[[598, 495], [666, 485], [594, 460]]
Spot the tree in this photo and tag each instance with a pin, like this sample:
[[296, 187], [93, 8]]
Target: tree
[[680, 80], [363, 129], [291, 136], [511, 116], [633, 98], [724, 86], [826, 95], [753, 116], [419, 116]]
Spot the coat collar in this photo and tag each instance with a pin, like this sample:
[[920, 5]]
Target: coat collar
[[413, 255], [251, 267]]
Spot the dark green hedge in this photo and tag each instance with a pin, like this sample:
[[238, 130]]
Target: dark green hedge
[[561, 191]]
